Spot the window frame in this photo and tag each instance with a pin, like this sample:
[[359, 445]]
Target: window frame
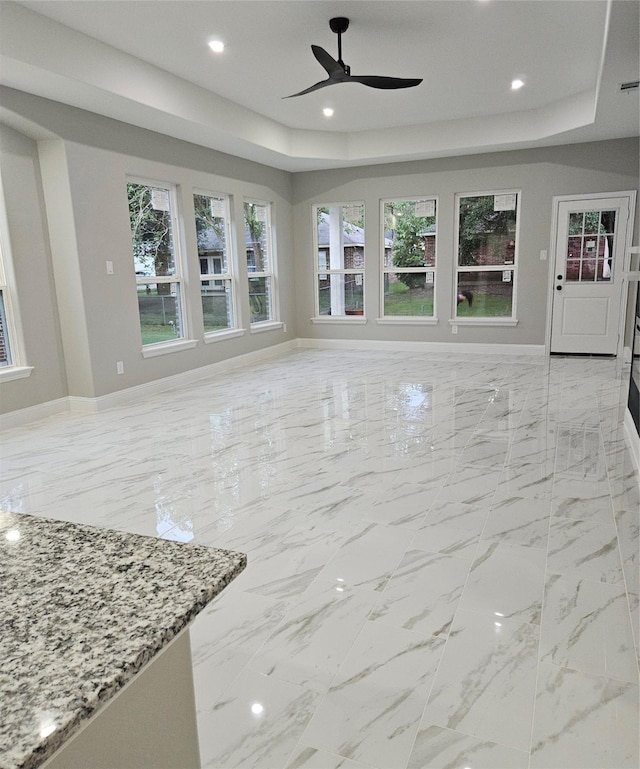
[[408, 319], [488, 320], [17, 368], [271, 275], [230, 275], [351, 318], [179, 278]]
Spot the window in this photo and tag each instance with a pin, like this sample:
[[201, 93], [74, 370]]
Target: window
[[157, 261], [5, 344], [487, 255], [216, 281], [12, 351], [257, 223], [339, 245], [408, 257]]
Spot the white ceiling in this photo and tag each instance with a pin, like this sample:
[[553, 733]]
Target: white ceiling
[[147, 62]]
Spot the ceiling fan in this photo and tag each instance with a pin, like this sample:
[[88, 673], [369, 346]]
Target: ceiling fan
[[339, 72]]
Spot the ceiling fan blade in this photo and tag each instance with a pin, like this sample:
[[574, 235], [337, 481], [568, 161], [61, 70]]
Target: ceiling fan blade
[[377, 81], [330, 65], [317, 86]]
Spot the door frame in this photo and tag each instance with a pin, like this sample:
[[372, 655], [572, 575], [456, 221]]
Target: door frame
[[557, 199]]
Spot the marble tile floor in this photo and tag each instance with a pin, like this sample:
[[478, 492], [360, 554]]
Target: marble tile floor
[[443, 553]]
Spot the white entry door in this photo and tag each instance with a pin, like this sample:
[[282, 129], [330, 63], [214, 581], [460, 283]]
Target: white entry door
[[589, 263]]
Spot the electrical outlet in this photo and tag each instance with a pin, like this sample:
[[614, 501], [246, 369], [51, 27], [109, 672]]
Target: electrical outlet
[[454, 329], [543, 255], [120, 367], [109, 268], [284, 328]]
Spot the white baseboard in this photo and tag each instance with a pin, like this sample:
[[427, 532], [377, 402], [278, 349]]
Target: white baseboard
[[81, 405], [22, 417], [433, 347], [633, 439]]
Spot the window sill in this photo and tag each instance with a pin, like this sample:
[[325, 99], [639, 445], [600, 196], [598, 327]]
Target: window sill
[[352, 320], [265, 325], [164, 348], [483, 322], [8, 373], [407, 320], [219, 336]]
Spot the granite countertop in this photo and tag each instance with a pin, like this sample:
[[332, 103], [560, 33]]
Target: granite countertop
[[83, 609]]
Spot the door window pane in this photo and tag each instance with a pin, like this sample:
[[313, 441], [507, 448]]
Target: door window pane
[[590, 246]]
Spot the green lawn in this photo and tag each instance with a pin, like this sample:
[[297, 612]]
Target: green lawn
[[152, 334], [402, 300], [486, 306]]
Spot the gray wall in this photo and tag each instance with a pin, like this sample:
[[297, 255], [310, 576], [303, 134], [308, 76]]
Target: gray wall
[[28, 241], [67, 209], [84, 189], [538, 173]]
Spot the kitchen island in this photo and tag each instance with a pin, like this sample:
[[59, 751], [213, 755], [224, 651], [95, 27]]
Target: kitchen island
[[94, 646]]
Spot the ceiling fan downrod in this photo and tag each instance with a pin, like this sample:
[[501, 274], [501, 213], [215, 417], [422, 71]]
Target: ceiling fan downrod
[[339, 25]]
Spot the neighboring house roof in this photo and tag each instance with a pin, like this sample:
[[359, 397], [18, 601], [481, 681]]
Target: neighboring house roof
[[352, 234]]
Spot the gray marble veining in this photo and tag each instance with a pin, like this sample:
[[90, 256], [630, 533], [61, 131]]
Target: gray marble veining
[[443, 552]]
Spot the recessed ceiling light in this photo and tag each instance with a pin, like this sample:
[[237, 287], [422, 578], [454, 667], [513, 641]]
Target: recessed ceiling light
[[217, 46], [516, 84], [327, 112]]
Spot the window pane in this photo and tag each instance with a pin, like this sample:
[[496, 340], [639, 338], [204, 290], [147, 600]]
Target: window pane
[[154, 256], [487, 230], [341, 294], [5, 350], [256, 220], [340, 237], [260, 299], [485, 294], [576, 220], [410, 232], [217, 305], [211, 232], [408, 293], [160, 312], [151, 230]]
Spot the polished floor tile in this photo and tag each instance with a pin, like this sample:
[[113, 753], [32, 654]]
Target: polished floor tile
[[423, 593], [586, 627], [506, 581], [584, 722], [436, 542], [438, 748], [485, 684], [372, 710]]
